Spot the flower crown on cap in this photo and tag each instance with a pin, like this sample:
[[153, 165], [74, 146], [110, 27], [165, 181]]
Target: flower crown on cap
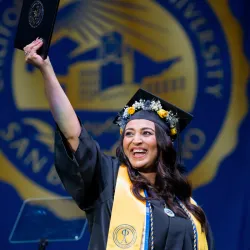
[[155, 105]]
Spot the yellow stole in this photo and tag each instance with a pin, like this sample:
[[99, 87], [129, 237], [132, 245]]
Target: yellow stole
[[128, 218]]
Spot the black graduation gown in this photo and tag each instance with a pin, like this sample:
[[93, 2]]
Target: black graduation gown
[[89, 176]]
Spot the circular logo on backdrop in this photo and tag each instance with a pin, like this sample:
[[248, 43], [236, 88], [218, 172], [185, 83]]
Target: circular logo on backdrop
[[124, 236], [181, 51], [36, 14]]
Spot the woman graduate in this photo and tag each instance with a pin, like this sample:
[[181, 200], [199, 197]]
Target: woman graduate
[[139, 199]]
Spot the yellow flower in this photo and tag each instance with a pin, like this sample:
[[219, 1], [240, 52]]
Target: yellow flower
[[121, 130], [131, 110], [162, 113], [173, 131]]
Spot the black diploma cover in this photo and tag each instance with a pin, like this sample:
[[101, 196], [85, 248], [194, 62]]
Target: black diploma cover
[[37, 19]]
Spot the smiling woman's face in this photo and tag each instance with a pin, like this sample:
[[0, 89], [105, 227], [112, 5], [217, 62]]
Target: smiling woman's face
[[139, 144]]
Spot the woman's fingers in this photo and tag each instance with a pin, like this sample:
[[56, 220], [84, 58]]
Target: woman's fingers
[[32, 52], [36, 46], [31, 55], [27, 47]]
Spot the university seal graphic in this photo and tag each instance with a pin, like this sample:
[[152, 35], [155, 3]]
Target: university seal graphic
[[36, 14], [102, 52]]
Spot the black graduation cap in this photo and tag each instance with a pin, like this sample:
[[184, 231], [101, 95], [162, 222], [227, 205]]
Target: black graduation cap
[[179, 117], [37, 19]]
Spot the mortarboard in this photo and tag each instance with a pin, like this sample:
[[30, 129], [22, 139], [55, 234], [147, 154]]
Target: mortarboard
[[37, 19], [144, 105]]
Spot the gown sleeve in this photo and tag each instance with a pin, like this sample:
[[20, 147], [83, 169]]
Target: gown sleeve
[[87, 173]]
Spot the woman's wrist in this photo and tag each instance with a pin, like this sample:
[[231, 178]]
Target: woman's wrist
[[46, 67]]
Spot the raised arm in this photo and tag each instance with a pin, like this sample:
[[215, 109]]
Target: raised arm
[[60, 106], [87, 174]]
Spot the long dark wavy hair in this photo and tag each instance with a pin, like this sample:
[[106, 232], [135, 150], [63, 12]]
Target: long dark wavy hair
[[170, 181]]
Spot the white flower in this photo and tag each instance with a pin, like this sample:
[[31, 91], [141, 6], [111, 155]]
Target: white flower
[[156, 105], [125, 113], [137, 105]]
